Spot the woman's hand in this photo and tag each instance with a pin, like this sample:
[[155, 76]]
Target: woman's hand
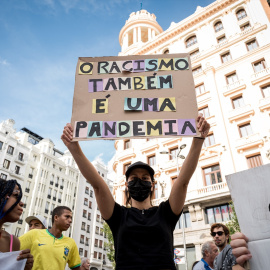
[[202, 125], [25, 254], [67, 136], [239, 248]]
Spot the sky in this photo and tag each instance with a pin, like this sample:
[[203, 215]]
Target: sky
[[40, 42]]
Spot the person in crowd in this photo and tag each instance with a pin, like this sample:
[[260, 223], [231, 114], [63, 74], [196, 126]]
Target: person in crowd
[[50, 248], [221, 236], [36, 222], [85, 263], [143, 234], [11, 208], [209, 253], [194, 264]]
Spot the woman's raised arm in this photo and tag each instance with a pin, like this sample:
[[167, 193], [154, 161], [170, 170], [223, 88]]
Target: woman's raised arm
[[103, 195]]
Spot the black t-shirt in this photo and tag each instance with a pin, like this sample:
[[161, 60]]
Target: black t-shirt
[[143, 239]]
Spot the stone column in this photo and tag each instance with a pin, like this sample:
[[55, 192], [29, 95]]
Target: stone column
[[139, 34], [134, 35], [149, 34], [125, 41], [153, 33]]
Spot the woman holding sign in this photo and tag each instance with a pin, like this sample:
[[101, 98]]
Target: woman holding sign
[[143, 234]]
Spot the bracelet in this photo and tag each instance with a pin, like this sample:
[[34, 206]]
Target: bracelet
[[201, 138]]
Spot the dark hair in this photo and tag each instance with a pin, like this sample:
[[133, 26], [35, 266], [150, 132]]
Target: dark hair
[[6, 189], [128, 197], [218, 225], [58, 211]]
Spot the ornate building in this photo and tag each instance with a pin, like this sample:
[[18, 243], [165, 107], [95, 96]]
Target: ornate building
[[228, 42]]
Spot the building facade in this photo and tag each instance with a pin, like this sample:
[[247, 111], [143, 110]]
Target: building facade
[[228, 42], [50, 178]]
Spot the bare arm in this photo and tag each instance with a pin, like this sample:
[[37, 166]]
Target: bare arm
[[179, 189], [104, 197]]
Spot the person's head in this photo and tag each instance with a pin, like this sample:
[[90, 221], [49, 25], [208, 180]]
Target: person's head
[[85, 263], [220, 234], [209, 252], [36, 222], [11, 206], [139, 182], [62, 217]]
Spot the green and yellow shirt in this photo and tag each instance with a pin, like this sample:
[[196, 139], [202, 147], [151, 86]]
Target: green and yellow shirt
[[50, 252]]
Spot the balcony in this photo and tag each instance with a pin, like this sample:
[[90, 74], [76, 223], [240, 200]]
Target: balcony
[[51, 182], [49, 196], [82, 241], [20, 161], [59, 200], [56, 185], [240, 113], [27, 190], [30, 175], [260, 76], [46, 211], [264, 104], [54, 198], [247, 142], [61, 187], [234, 87]]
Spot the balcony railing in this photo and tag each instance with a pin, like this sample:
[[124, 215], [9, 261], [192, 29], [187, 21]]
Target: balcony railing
[[259, 75], [212, 188], [233, 86]]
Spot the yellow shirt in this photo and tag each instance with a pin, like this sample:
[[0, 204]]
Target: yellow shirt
[[50, 253]]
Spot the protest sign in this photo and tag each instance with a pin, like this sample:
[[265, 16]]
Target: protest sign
[[250, 191], [134, 96], [8, 261]]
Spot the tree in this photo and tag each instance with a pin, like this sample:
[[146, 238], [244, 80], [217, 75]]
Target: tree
[[233, 224], [109, 246]]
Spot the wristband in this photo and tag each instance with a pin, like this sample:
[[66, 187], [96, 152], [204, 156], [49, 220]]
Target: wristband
[[201, 138]]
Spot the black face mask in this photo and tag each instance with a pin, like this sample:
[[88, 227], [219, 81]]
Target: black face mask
[[138, 189]]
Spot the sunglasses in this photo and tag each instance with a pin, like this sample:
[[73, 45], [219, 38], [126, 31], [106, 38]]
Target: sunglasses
[[219, 233]]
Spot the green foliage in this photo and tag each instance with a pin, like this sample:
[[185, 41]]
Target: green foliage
[[233, 224], [109, 246]]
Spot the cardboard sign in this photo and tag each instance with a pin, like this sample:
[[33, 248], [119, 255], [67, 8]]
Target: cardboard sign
[[134, 96], [250, 191]]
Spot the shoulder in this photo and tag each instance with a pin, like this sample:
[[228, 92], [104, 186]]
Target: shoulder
[[199, 266], [70, 241], [16, 243]]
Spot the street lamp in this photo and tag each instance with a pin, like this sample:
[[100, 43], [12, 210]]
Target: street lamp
[[166, 152]]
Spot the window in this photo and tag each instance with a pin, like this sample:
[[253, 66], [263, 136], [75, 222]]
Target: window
[[89, 216], [96, 242], [241, 14], [151, 160], [192, 54], [173, 153], [20, 156], [85, 201], [245, 27], [221, 39], [166, 51], [217, 214], [199, 89], [90, 205], [245, 130], [254, 161], [17, 232], [231, 78], [191, 41], [1, 145], [17, 169], [196, 70], [81, 251], [205, 111], [212, 175], [253, 44], [125, 167], [85, 253], [99, 256], [266, 91], [218, 26], [88, 229], [259, 65], [95, 254], [98, 218], [84, 213], [3, 176], [127, 144], [6, 164], [238, 102], [10, 150], [209, 140], [187, 222], [91, 193], [83, 226], [87, 190], [100, 243], [226, 57], [82, 239]]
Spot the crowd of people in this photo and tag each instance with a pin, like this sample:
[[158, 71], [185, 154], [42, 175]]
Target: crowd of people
[[142, 233]]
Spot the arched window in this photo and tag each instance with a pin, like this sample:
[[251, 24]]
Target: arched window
[[166, 51], [241, 14], [191, 41], [218, 26]]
